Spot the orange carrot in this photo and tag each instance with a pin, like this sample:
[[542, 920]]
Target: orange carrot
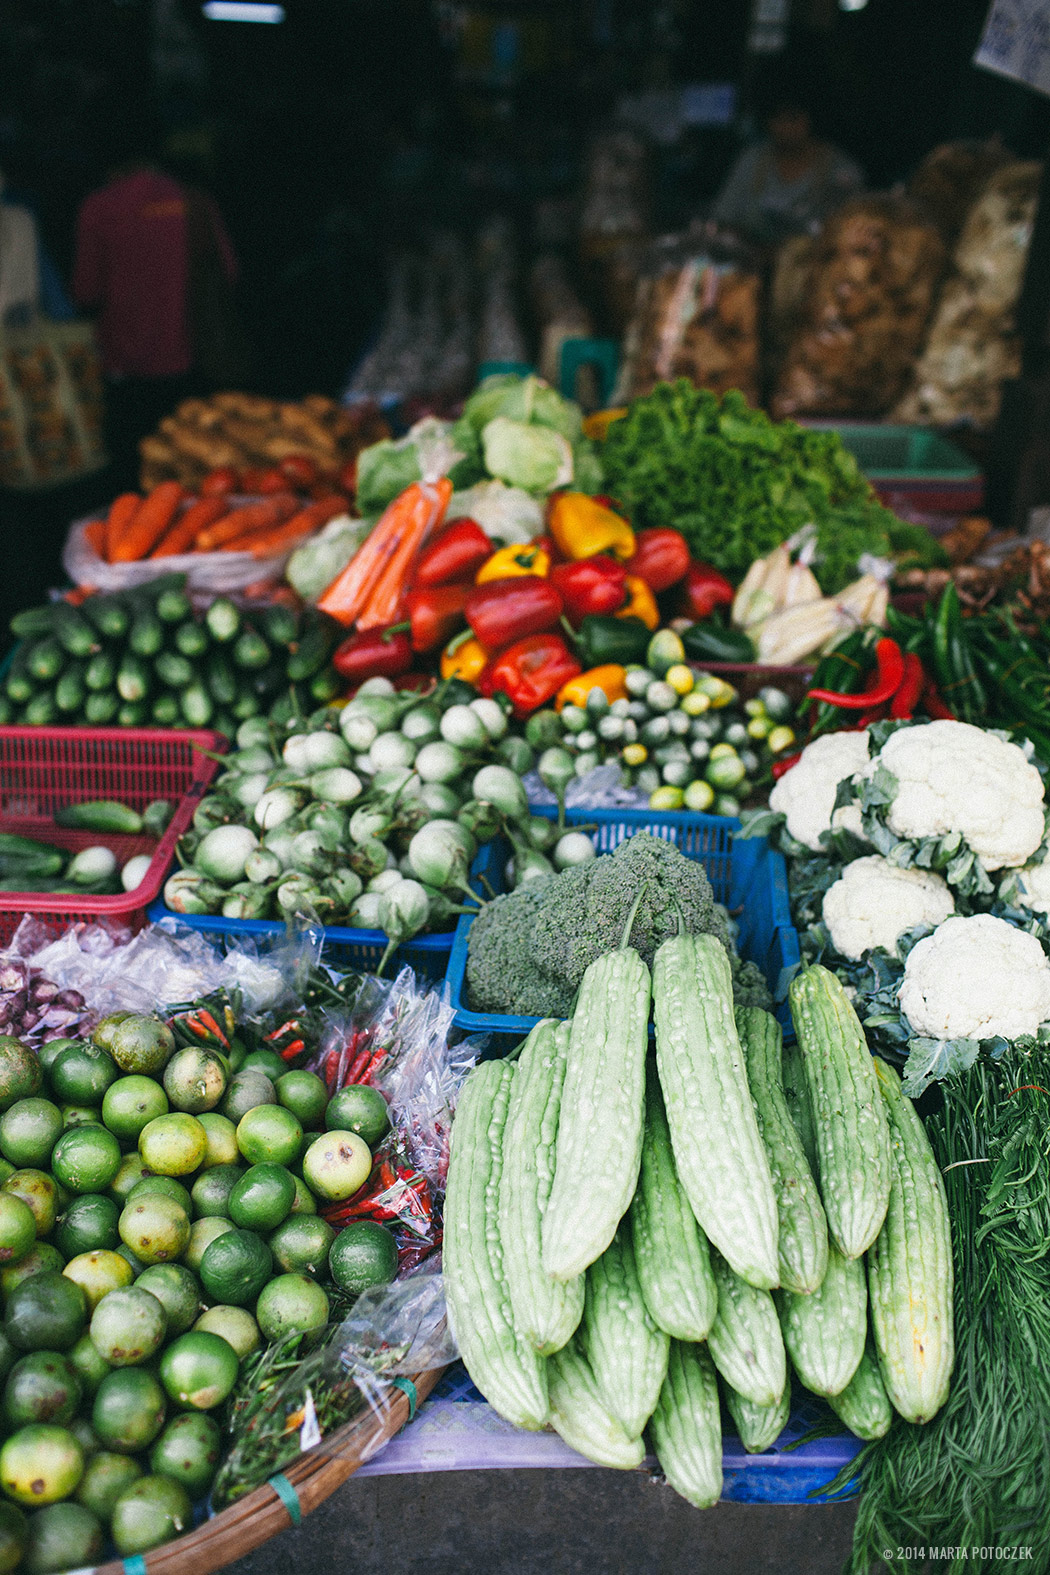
[[261, 543], [95, 534], [183, 533], [388, 552], [151, 520], [121, 512], [263, 515], [384, 603]]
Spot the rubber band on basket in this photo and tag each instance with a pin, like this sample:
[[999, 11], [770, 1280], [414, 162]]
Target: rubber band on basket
[[411, 1394], [288, 1497], [135, 1564]]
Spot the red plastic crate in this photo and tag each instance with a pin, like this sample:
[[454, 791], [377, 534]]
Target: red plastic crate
[[42, 769]]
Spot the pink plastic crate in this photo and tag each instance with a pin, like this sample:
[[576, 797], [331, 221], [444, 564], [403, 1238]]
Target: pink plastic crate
[[43, 769]]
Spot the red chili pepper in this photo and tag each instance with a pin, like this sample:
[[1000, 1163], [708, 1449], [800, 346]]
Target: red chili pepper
[[530, 672], [661, 558], [590, 585], [704, 590], [435, 613], [781, 767], [902, 706], [935, 707], [374, 653], [455, 554], [882, 686], [503, 611], [290, 1052], [300, 470]]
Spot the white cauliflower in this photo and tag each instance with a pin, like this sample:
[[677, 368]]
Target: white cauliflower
[[1032, 887], [806, 793], [976, 979], [874, 902], [952, 777]]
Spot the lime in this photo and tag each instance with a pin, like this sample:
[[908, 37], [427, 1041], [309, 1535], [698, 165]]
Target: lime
[[42, 1387], [166, 1186], [20, 1074], [151, 1511], [49, 1052], [38, 1190], [212, 1188], [363, 1254], [80, 1116], [155, 1228], [40, 1259], [195, 1079], [129, 1103], [86, 1159], [300, 1245], [84, 1434], [304, 1094], [103, 1032], [45, 1313], [268, 1062], [128, 1411], [88, 1365], [269, 1133], [336, 1165], [81, 1076], [6, 1169], [222, 1140], [202, 1234], [127, 1326], [262, 1197], [133, 1258], [177, 1291], [106, 1475], [62, 1537], [140, 1044], [17, 1228], [90, 1222], [13, 1537], [29, 1130], [246, 1091], [236, 1326], [129, 1175], [97, 1273], [358, 1108], [173, 1145], [188, 1452], [291, 1304], [199, 1369], [235, 1267], [305, 1202], [40, 1464]]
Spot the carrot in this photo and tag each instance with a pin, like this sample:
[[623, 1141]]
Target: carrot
[[383, 604], [121, 513], [261, 543], [263, 515], [95, 534], [150, 521], [392, 545], [183, 533]]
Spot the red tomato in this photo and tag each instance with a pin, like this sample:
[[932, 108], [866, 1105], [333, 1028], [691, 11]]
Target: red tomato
[[266, 481], [217, 483], [300, 470]]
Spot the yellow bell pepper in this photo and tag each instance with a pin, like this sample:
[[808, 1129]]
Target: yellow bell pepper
[[581, 527], [597, 424], [610, 679], [641, 603], [510, 562], [465, 658]]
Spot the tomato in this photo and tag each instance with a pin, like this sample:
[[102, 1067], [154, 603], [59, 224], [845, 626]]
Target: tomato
[[299, 470], [265, 482], [218, 482]]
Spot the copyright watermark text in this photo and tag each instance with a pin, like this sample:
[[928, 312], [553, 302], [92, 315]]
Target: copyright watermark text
[[956, 1555]]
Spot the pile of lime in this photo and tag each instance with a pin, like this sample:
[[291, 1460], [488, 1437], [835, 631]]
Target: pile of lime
[[158, 1223]]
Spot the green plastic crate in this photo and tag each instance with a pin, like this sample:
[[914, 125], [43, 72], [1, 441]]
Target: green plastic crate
[[913, 463]]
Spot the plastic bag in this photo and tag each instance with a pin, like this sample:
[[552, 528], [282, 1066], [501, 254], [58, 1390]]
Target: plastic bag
[[35, 1008], [313, 566], [212, 573]]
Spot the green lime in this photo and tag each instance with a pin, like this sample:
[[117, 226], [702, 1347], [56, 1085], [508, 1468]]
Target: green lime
[[81, 1076], [17, 1228], [304, 1094], [89, 1366], [268, 1062], [141, 1044], [128, 1410], [177, 1291], [80, 1116], [103, 1032], [62, 1537], [127, 1326], [40, 1464], [89, 1222], [151, 1511], [195, 1079], [97, 1273], [129, 1175], [20, 1074], [363, 1254], [50, 1051], [45, 1313], [125, 1252], [13, 1537], [188, 1451], [300, 1245], [246, 1091], [358, 1108], [198, 1370], [155, 1227], [42, 1387], [235, 1325], [212, 1188], [336, 1165], [305, 1202], [37, 1189], [105, 1478], [6, 1169], [84, 1434], [269, 1134], [222, 1140], [291, 1304], [262, 1197], [235, 1267], [166, 1186], [29, 1130], [41, 1259], [86, 1159], [173, 1145], [131, 1102], [202, 1234]]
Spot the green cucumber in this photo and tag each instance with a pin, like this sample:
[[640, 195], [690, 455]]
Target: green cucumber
[[107, 815], [46, 660], [133, 713], [69, 691], [133, 679], [101, 707], [267, 681], [196, 705], [251, 651], [165, 710], [223, 620], [221, 679], [319, 637], [191, 639], [41, 710], [19, 684], [101, 672], [327, 685], [109, 614], [73, 632], [246, 706], [26, 856], [223, 722], [33, 623], [278, 624], [172, 669], [173, 606], [7, 711], [147, 634]]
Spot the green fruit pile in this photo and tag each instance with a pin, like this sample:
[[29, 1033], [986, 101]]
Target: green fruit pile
[[158, 1223]]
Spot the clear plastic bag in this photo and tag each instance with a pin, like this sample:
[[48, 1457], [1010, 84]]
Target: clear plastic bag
[[209, 573]]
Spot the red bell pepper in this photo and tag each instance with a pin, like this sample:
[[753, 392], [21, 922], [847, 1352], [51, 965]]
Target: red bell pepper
[[661, 558], [590, 585], [502, 611], [435, 613], [374, 653], [457, 553], [530, 672], [704, 590]]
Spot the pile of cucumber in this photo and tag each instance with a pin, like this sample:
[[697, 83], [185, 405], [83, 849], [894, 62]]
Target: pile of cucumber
[[142, 658]]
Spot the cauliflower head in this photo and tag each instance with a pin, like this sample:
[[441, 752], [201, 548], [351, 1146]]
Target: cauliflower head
[[874, 902], [806, 793], [1033, 887], [952, 777], [976, 979]]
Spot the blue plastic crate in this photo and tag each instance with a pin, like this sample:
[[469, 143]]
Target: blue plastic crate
[[747, 875]]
